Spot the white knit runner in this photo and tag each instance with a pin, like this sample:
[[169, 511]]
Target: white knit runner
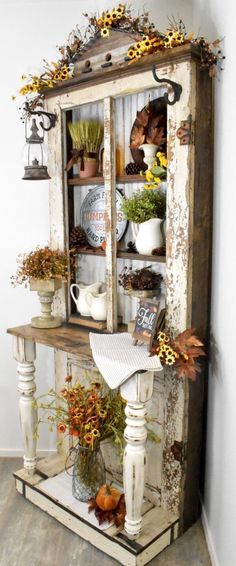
[[117, 358]]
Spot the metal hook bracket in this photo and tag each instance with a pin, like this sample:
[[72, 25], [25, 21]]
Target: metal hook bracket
[[51, 117], [177, 88]]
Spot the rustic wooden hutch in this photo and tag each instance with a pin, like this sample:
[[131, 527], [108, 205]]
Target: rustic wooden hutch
[[114, 93]]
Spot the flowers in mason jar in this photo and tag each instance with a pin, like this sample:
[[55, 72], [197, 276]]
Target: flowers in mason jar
[[88, 414]]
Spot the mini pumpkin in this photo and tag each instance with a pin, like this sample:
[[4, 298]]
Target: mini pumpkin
[[108, 497]]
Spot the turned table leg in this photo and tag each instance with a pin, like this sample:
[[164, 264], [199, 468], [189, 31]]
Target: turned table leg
[[136, 391], [25, 354]]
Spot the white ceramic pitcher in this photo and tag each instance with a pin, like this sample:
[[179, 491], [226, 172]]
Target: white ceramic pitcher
[[82, 304], [98, 305], [148, 235]]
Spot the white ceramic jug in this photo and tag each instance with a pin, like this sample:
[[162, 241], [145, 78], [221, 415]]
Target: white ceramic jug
[[98, 305], [82, 305], [148, 235]]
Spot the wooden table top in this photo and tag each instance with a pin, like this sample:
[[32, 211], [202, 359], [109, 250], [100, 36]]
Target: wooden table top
[[66, 338]]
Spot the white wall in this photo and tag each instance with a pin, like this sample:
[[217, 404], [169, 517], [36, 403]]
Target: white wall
[[29, 32], [216, 19]]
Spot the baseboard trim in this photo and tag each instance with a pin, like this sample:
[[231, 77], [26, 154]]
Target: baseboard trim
[[209, 541], [19, 453]]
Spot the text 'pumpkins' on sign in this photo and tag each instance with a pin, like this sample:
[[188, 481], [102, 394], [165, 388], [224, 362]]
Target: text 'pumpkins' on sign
[[146, 322]]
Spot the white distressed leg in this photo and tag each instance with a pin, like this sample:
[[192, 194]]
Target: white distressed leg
[[25, 354], [136, 391]]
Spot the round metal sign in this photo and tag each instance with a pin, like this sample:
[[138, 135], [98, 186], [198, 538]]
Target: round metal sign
[[93, 216]]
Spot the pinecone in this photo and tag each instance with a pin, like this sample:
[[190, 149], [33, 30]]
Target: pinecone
[[78, 238], [131, 248], [132, 169], [159, 251]]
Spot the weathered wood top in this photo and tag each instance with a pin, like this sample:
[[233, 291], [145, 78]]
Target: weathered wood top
[[66, 337], [165, 57]]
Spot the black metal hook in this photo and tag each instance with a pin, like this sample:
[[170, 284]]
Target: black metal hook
[[177, 88], [51, 117]]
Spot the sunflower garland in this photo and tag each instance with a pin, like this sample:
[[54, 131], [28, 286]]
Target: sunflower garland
[[149, 41]]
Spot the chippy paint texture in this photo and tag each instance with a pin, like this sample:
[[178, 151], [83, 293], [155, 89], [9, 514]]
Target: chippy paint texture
[[174, 399]]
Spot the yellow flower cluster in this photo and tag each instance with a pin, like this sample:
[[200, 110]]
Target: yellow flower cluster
[[39, 83], [165, 352], [153, 180], [108, 18], [173, 38], [144, 46]]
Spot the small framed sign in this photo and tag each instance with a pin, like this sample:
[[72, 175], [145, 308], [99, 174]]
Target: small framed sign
[[146, 321]]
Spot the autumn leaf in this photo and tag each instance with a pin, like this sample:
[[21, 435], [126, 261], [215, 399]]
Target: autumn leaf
[[156, 136], [142, 117], [137, 136], [187, 369], [187, 339]]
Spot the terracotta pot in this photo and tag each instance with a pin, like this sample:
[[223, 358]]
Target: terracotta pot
[[90, 168]]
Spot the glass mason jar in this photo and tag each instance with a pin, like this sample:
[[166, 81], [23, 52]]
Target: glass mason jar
[[88, 472]]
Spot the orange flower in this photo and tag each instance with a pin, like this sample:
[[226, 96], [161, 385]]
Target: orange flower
[[68, 378], [61, 427], [88, 438], [73, 432], [64, 392]]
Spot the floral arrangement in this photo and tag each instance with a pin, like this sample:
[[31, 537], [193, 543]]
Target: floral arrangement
[[139, 279], [42, 263], [88, 414], [143, 205], [157, 173], [149, 41], [181, 352]]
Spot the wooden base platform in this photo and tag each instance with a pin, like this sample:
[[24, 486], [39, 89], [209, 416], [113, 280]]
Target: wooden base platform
[[52, 493]]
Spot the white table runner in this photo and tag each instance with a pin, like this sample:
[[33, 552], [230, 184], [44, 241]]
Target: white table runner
[[117, 358]]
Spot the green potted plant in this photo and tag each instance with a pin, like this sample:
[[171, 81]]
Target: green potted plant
[[43, 269], [87, 136], [146, 210]]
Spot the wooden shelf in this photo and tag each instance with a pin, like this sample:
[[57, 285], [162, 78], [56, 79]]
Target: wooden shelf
[[67, 337], [122, 254], [87, 321], [50, 489], [141, 257], [76, 181], [91, 251]]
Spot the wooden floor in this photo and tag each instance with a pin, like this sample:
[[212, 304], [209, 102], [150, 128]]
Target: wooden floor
[[29, 537]]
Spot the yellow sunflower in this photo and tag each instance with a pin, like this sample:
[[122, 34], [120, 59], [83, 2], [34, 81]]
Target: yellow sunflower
[[107, 22], [162, 159], [131, 52], [105, 32]]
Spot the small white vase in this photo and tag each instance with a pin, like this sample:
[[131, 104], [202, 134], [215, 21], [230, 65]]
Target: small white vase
[[149, 150], [98, 305], [148, 235]]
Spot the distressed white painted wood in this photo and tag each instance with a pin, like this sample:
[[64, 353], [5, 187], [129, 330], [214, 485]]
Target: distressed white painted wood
[[110, 223], [24, 353], [159, 526], [136, 391], [129, 93]]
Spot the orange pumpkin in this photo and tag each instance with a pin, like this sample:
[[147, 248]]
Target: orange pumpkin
[[108, 497]]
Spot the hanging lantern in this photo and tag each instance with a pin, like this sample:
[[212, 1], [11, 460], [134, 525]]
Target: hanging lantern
[[35, 151]]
